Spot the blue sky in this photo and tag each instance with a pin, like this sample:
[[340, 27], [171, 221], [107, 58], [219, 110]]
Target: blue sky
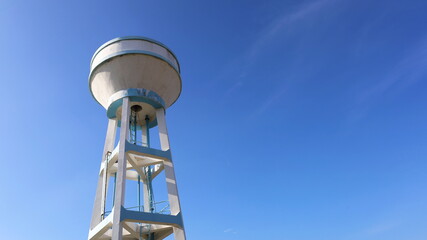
[[298, 120]]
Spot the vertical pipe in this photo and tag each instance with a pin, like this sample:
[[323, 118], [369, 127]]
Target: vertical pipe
[[143, 135], [140, 231], [139, 193], [114, 188], [148, 180], [147, 119], [134, 124], [148, 169], [104, 202]]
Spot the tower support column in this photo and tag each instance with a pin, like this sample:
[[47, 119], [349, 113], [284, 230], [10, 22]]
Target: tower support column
[[171, 183], [117, 231], [99, 204]]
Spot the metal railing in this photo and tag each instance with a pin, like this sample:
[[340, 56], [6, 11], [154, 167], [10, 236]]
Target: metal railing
[[164, 210]]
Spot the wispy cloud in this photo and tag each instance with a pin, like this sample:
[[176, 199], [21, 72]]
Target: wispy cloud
[[234, 87], [382, 228], [285, 22], [269, 101], [374, 230], [406, 72], [230, 230]]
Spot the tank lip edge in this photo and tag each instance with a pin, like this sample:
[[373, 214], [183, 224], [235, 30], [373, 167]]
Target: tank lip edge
[[114, 40], [136, 52], [154, 56]]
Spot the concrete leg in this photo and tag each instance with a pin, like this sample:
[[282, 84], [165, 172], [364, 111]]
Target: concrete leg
[[172, 188], [163, 131], [98, 206], [173, 196], [117, 231]]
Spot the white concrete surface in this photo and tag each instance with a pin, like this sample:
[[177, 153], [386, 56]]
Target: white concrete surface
[[136, 67], [98, 206], [119, 201]]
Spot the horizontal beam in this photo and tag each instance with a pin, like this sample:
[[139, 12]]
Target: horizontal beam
[[152, 218], [102, 227], [151, 152]]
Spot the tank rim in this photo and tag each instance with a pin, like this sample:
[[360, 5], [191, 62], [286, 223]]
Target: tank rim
[[134, 38]]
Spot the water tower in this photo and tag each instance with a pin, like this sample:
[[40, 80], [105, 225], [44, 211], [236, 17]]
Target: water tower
[[135, 79]]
